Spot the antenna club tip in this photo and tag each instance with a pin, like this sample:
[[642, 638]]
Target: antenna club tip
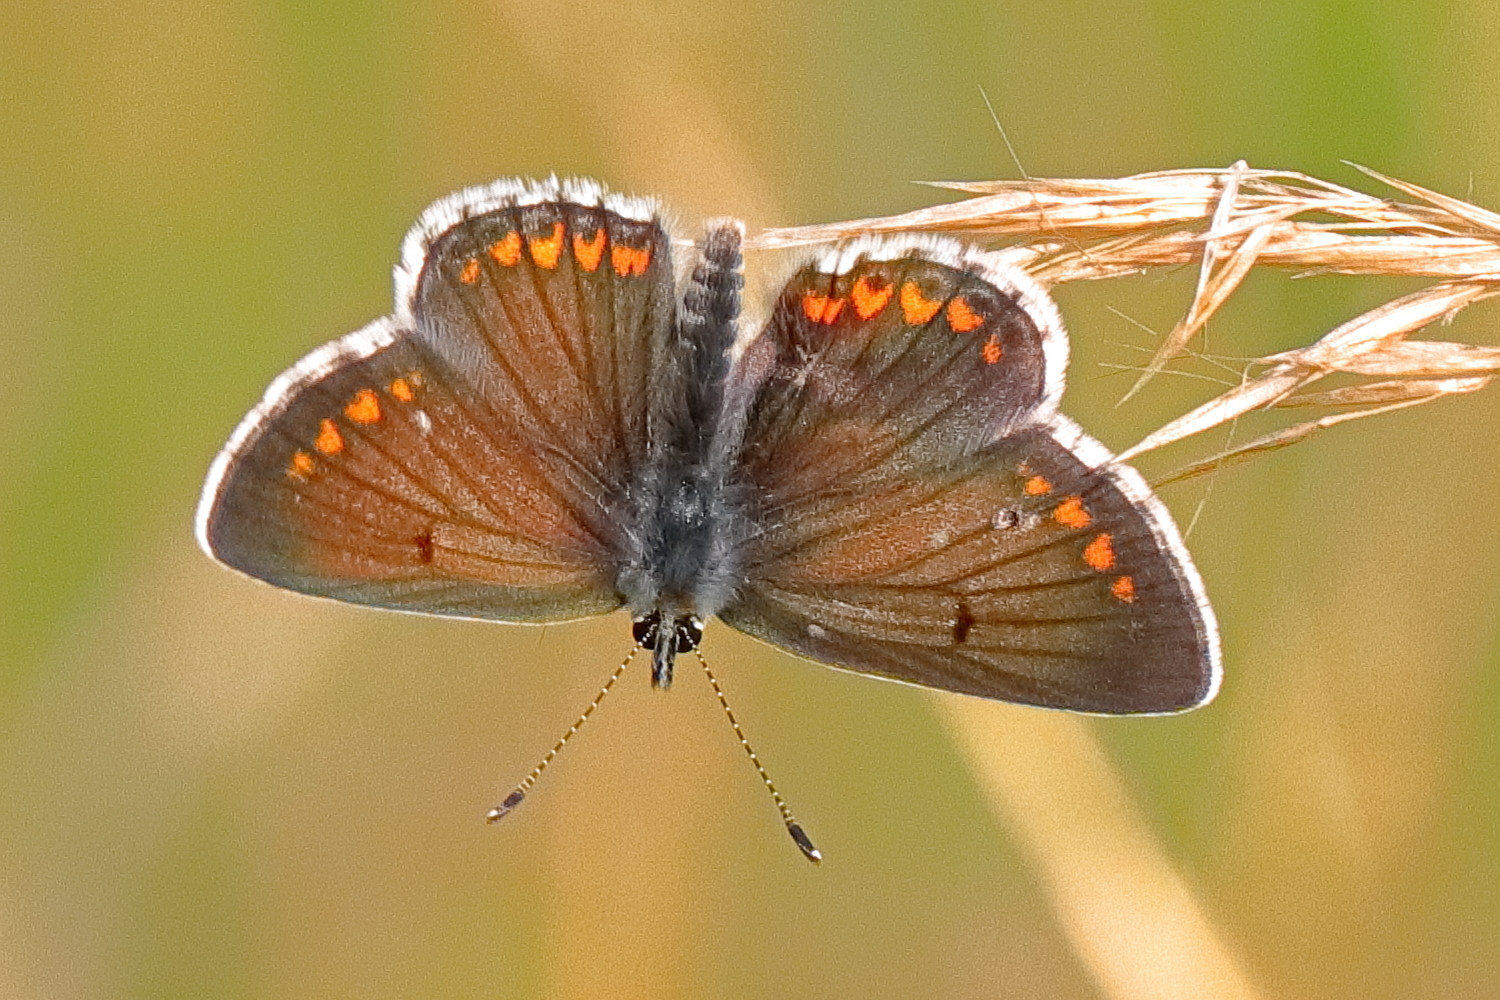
[[512, 800], [804, 843]]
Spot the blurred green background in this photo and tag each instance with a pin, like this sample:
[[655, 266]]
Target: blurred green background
[[211, 789]]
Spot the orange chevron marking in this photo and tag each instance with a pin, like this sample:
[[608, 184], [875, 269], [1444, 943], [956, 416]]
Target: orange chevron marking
[[869, 297], [589, 252], [916, 307]]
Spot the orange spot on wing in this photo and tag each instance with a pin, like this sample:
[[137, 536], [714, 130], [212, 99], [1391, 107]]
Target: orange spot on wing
[[470, 273], [916, 307], [507, 252], [589, 252], [992, 351], [628, 261], [961, 317], [365, 409], [401, 389], [301, 467], [1070, 514], [1100, 554], [547, 250], [329, 441], [869, 296], [821, 308], [1037, 485], [1124, 589]]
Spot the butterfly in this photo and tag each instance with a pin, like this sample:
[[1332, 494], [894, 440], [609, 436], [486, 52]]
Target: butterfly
[[553, 424]]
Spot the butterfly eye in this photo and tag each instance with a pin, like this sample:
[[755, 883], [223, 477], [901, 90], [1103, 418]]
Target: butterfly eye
[[645, 630]]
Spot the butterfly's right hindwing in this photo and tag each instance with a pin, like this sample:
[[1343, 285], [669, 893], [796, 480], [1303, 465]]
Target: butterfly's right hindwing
[[472, 455]]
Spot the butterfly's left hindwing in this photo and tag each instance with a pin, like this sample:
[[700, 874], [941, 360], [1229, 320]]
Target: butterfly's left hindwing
[[924, 514], [883, 361]]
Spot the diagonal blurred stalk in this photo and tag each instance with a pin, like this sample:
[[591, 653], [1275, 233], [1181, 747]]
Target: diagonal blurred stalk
[[1130, 915]]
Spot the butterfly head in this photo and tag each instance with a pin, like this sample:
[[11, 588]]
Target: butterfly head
[[666, 636]]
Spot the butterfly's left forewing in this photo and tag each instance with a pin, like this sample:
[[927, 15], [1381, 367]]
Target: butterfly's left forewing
[[926, 515]]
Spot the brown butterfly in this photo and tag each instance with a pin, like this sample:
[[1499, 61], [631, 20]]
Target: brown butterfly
[[879, 479]]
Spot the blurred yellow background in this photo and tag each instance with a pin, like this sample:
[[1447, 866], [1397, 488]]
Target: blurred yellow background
[[212, 789]]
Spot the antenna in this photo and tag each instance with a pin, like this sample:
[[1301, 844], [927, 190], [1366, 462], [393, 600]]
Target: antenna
[[803, 842], [517, 796]]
